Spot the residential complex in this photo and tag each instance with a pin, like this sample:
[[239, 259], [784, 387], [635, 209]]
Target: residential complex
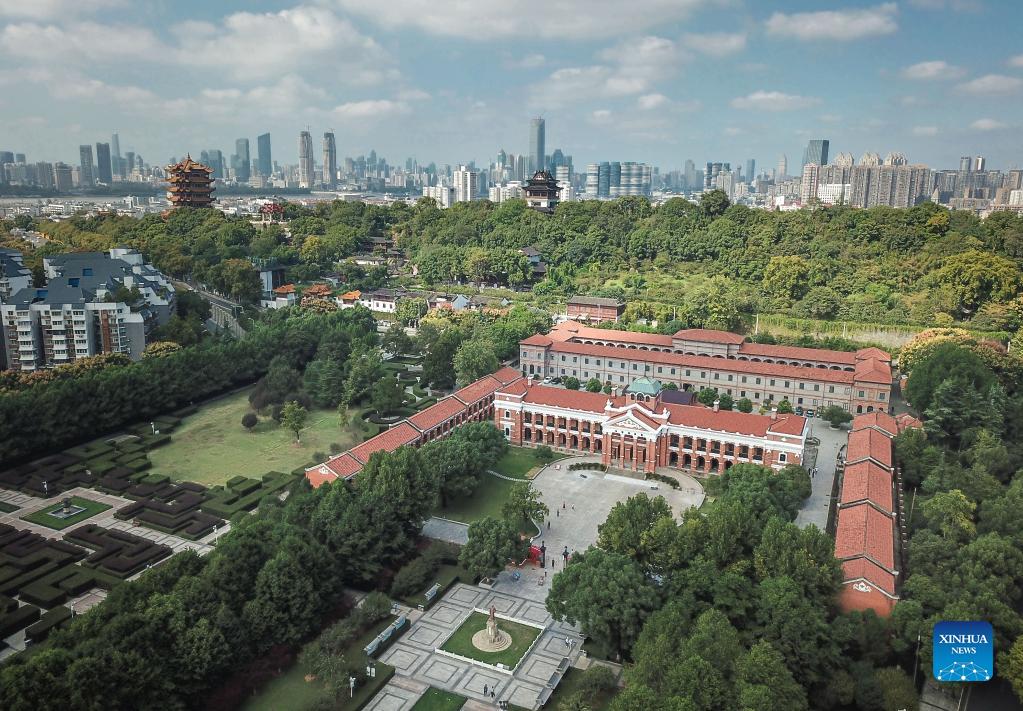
[[92, 303], [869, 520], [694, 359], [594, 308], [644, 430]]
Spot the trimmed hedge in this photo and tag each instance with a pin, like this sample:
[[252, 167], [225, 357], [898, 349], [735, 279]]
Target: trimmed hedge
[[673, 483], [57, 617], [19, 619]]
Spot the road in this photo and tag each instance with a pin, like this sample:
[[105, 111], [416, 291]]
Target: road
[[815, 508]]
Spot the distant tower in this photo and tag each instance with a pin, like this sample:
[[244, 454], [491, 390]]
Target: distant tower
[[329, 159], [104, 173], [306, 174], [263, 159], [751, 169], [816, 152], [965, 164], [537, 145], [980, 164], [783, 167], [190, 184], [542, 192], [86, 176], [242, 162]]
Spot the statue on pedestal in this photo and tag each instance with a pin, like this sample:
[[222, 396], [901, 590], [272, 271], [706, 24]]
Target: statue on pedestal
[[492, 632]]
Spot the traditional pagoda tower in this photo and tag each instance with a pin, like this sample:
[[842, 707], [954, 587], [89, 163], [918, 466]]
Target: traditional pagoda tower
[[542, 191], [190, 184]]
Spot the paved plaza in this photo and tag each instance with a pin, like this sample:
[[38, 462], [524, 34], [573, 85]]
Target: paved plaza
[[418, 665], [815, 508]]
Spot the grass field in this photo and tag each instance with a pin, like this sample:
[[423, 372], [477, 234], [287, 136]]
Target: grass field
[[461, 641], [488, 499], [438, 700], [211, 446], [517, 462], [43, 517]]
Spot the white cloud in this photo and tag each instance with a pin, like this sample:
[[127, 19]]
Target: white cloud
[[773, 101], [600, 116], [372, 108], [256, 46], [528, 61], [734, 131], [925, 130], [412, 95], [992, 84], [1016, 61], [716, 44], [987, 124], [77, 42], [652, 101], [487, 20], [934, 69], [835, 24], [54, 9]]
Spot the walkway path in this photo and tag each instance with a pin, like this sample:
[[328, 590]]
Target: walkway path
[[815, 508]]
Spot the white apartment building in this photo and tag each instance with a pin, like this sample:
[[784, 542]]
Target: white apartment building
[[467, 184], [500, 193], [443, 194], [14, 275]]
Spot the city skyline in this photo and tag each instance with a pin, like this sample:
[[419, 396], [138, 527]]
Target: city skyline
[[674, 82]]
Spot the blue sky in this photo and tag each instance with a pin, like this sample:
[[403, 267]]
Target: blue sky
[[457, 80]]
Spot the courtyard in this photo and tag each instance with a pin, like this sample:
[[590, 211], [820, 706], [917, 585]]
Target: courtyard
[[211, 446]]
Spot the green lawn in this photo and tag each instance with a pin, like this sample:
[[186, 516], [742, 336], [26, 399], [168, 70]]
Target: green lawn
[[438, 700], [43, 517], [7, 508], [490, 496], [291, 691], [517, 462], [461, 641], [211, 446]]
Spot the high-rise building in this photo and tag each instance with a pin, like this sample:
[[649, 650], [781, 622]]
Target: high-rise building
[[845, 160], [263, 160], [751, 169], [816, 152], [467, 185], [965, 164], [808, 187], [783, 168], [242, 161], [62, 177], [690, 175], [604, 180], [980, 164], [115, 146], [104, 172], [710, 175], [870, 159], [329, 160], [86, 174], [19, 158], [537, 144], [895, 158], [592, 181], [129, 162], [306, 170]]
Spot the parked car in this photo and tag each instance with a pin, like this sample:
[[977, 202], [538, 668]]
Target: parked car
[[809, 413], [799, 410]]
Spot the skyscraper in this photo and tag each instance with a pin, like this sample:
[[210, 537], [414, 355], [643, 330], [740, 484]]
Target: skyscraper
[[965, 164], [783, 167], [104, 173], [751, 169], [263, 160], [62, 177], [466, 184], [980, 164], [306, 175], [242, 162], [86, 175], [537, 144], [115, 146], [816, 152], [690, 171], [329, 159]]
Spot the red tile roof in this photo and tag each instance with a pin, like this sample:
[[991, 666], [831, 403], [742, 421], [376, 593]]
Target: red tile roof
[[568, 399], [507, 374], [474, 392], [864, 531], [317, 290], [516, 387], [731, 421], [742, 367], [285, 289], [317, 477], [866, 481], [767, 350], [907, 421], [878, 420], [708, 336], [869, 443], [401, 434], [863, 568], [536, 340], [874, 371], [577, 331], [437, 414], [850, 599], [876, 353]]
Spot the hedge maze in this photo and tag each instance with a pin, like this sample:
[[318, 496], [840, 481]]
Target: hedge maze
[[243, 494]]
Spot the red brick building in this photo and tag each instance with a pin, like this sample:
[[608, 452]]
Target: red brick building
[[867, 530], [694, 359], [595, 309], [643, 433]]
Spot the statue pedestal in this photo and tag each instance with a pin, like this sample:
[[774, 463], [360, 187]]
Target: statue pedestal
[[481, 641]]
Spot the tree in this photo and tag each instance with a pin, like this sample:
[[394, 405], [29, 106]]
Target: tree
[[474, 359], [744, 405], [571, 383], [1013, 667], [786, 277], [627, 529], [950, 513], [439, 363], [293, 417], [725, 401], [785, 407], [524, 504], [764, 683], [713, 203], [897, 688], [836, 415], [249, 420], [707, 396], [491, 543], [607, 594], [593, 385], [387, 395], [395, 340], [410, 310], [543, 453], [364, 370]]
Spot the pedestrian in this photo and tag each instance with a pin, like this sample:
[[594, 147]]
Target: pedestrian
[[562, 504], [558, 511], [548, 524], [485, 689], [493, 693]]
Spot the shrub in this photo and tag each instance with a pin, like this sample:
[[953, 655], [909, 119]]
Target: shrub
[[673, 483], [319, 456], [595, 681], [375, 607], [249, 420], [414, 576], [335, 448], [544, 453]]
